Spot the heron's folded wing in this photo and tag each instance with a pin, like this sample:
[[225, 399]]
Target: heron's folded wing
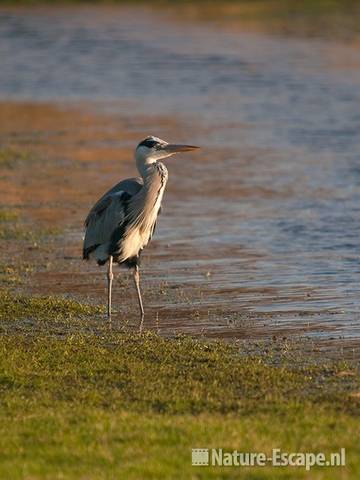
[[130, 186], [97, 209], [107, 215]]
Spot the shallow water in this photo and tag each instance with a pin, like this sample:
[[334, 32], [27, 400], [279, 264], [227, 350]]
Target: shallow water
[[264, 223]]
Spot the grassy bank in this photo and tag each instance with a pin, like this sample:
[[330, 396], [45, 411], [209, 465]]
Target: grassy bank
[[115, 405]]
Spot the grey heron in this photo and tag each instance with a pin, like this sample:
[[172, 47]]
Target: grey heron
[[122, 221]]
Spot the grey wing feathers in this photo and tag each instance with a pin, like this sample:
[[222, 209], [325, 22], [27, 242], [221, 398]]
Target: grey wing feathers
[[108, 214], [130, 186]]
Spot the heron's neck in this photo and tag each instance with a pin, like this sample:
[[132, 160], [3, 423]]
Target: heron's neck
[[155, 176], [154, 185], [148, 200], [145, 165], [150, 169]]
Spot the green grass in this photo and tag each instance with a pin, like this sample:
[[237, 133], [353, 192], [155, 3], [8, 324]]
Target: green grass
[[12, 229], [7, 215], [20, 307], [9, 275], [24, 232], [10, 157], [131, 406], [104, 405], [15, 273]]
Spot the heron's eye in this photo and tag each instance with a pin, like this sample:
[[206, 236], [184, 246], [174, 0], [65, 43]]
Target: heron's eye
[[148, 143]]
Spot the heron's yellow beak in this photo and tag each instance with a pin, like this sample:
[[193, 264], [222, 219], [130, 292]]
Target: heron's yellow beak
[[173, 148]]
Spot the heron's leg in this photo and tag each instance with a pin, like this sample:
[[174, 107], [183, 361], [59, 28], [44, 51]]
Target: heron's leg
[[110, 277], [137, 285]]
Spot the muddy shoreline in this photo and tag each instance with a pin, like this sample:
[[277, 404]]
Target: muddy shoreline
[[63, 157]]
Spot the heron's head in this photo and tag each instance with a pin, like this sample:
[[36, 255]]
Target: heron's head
[[152, 149]]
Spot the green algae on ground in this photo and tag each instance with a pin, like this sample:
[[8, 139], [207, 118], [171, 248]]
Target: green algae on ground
[[9, 275], [15, 307], [10, 157], [24, 232], [12, 229], [15, 273], [7, 215]]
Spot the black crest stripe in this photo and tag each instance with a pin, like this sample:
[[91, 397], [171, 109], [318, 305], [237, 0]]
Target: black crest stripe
[[148, 143]]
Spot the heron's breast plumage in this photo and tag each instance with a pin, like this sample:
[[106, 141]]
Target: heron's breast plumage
[[141, 214]]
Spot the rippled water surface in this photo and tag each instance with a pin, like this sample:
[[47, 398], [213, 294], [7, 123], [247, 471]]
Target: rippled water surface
[[265, 221]]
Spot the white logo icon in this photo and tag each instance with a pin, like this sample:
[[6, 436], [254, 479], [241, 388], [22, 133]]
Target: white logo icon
[[200, 456]]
